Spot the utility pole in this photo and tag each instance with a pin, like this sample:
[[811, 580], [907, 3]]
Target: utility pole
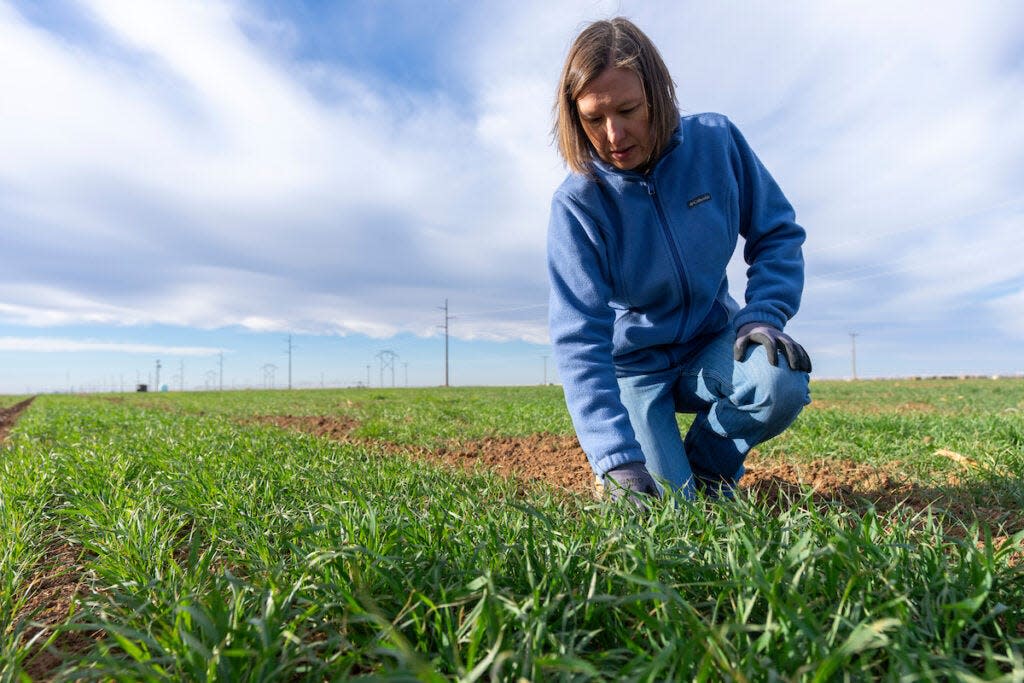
[[367, 375], [406, 366], [156, 385], [545, 370], [181, 375], [446, 319], [853, 353], [221, 362], [289, 361]]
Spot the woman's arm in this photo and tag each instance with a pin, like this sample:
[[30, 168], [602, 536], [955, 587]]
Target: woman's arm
[[773, 248], [581, 332]]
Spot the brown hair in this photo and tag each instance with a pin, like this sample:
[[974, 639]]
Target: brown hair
[[616, 43]]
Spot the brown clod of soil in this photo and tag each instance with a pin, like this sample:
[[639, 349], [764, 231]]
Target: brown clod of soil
[[8, 416]]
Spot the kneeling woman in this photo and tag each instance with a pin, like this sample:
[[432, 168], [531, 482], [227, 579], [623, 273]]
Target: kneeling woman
[[639, 239]]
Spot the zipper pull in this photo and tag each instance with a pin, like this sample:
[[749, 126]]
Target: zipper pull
[[650, 187]]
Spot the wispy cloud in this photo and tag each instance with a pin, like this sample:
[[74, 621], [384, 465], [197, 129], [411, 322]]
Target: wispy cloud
[[57, 345]]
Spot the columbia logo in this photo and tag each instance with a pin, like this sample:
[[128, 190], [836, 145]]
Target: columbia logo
[[699, 199]]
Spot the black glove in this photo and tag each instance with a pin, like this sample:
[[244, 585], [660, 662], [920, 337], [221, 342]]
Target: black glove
[[771, 339], [632, 480]]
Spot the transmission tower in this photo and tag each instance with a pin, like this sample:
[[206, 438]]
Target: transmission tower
[[268, 375], [387, 360]]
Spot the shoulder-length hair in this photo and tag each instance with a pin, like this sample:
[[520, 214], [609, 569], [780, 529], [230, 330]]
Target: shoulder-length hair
[[615, 43]]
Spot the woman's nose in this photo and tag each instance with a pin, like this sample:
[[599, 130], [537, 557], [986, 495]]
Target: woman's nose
[[614, 130]]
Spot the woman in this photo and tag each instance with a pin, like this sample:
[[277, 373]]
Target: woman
[[641, 318]]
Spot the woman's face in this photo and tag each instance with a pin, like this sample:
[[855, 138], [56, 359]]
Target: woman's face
[[613, 111]]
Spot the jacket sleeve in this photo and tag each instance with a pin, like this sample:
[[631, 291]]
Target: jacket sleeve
[[581, 333], [773, 241]]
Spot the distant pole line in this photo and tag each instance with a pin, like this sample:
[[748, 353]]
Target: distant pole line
[[545, 370], [406, 366], [221, 363]]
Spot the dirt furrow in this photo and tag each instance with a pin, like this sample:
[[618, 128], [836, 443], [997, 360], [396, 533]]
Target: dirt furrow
[[9, 416]]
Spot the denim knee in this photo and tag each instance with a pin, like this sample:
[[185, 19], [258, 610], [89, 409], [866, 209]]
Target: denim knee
[[787, 392]]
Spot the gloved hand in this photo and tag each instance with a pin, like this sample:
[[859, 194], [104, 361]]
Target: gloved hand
[[632, 480], [771, 339]]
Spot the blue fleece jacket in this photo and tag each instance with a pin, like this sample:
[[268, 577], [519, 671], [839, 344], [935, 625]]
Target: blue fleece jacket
[[637, 270]]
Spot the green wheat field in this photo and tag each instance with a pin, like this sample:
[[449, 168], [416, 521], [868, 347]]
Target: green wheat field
[[171, 537]]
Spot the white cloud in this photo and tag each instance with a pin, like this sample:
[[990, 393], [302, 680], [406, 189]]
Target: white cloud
[[234, 166], [190, 175], [58, 345]]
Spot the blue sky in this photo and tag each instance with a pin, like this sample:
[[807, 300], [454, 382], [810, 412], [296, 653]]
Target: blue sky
[[193, 182]]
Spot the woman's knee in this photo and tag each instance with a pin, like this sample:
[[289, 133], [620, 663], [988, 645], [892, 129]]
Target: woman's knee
[[789, 392], [776, 392]]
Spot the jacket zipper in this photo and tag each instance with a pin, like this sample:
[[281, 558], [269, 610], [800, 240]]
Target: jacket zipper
[[676, 256]]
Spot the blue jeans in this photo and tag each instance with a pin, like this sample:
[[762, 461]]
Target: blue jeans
[[737, 404]]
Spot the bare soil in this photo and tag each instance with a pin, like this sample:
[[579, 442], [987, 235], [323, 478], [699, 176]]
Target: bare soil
[[559, 460], [8, 416], [57, 584]]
